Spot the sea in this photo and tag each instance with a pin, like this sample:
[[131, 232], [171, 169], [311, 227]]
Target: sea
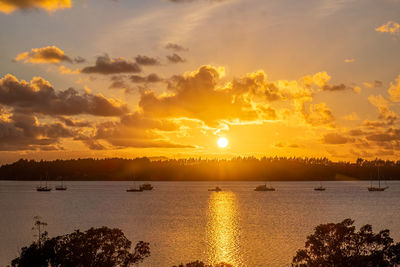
[[184, 222]]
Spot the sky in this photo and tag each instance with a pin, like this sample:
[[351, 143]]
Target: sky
[[168, 78]]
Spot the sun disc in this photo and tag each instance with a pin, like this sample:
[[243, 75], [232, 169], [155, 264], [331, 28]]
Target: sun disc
[[222, 142]]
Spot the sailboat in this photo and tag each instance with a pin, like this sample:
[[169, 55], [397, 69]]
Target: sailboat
[[41, 188], [319, 188], [61, 187], [379, 188], [134, 188], [264, 187], [216, 189]]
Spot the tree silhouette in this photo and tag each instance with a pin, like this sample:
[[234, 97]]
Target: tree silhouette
[[102, 247], [340, 245]]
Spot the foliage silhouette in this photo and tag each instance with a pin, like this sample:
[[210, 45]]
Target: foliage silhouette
[[250, 168], [340, 245], [100, 247]]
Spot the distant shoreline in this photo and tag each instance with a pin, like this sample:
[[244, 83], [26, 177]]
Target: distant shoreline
[[238, 169]]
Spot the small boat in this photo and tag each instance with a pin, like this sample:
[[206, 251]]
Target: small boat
[[41, 188], [146, 187], [319, 188], [134, 188], [379, 188], [61, 187], [264, 187], [216, 189]]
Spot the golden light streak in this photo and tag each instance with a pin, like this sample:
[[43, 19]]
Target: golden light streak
[[223, 229]]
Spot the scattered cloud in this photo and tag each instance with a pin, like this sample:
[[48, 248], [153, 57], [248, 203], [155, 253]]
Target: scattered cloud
[[175, 47], [9, 6], [374, 84], [39, 96], [175, 58], [394, 90], [146, 61], [43, 55], [106, 65], [151, 78], [390, 27], [349, 60]]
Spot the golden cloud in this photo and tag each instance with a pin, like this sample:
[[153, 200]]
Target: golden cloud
[[43, 55], [9, 6], [390, 27], [394, 90]]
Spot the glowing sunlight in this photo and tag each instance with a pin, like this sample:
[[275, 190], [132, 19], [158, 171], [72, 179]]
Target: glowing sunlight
[[223, 229]]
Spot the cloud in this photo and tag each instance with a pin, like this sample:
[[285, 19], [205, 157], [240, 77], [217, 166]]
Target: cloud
[[138, 130], [383, 107], [43, 55], [196, 95], [334, 139], [151, 78], [175, 58], [175, 47], [394, 90], [39, 96], [337, 87], [349, 60], [146, 61], [9, 6], [79, 59], [390, 27], [319, 115], [106, 65], [66, 70], [375, 84], [24, 132]]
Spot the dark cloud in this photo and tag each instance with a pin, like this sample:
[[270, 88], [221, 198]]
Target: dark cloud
[[146, 61], [337, 87], [39, 96], [79, 59], [106, 65], [175, 58], [73, 123], [175, 47], [151, 78], [24, 132]]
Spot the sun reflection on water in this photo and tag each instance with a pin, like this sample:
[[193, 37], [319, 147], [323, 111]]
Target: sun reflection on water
[[223, 229]]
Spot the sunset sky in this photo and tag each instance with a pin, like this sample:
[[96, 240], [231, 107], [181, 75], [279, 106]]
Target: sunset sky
[[131, 78]]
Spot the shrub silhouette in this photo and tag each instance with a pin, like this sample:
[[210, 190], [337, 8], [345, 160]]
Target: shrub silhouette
[[100, 247], [340, 245]]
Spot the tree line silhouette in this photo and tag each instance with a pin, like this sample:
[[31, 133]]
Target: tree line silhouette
[[197, 169]]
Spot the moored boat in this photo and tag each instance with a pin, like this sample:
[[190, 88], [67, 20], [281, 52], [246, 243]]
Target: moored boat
[[216, 189], [264, 187]]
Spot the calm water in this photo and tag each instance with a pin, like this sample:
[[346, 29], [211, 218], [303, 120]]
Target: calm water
[[184, 222]]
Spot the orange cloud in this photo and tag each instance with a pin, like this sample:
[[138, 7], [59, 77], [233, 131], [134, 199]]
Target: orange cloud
[[394, 90], [43, 55], [390, 27], [9, 6]]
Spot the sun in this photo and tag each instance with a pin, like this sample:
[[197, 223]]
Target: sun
[[223, 142]]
